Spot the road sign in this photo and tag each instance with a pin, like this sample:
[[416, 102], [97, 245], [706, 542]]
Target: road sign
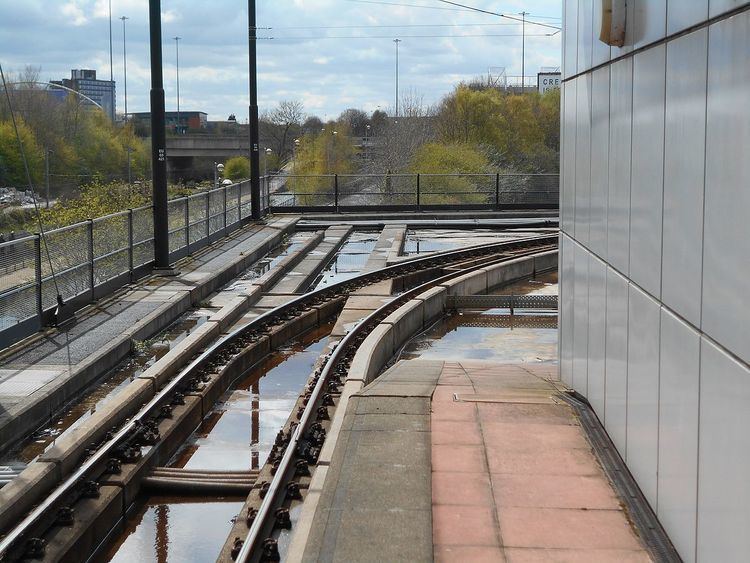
[[547, 81]]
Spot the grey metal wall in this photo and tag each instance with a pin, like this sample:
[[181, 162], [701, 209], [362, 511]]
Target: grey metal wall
[[655, 255]]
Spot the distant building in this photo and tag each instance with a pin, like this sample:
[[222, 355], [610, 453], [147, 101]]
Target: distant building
[[100, 91], [188, 120]]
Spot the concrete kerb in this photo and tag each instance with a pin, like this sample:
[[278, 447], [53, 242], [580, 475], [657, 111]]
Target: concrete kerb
[[406, 321], [372, 355], [434, 304], [505, 272], [545, 261], [14, 497], [270, 278]]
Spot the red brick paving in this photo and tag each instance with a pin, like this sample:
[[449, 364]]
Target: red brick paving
[[516, 480]]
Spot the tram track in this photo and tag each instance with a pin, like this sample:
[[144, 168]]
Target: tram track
[[128, 456]]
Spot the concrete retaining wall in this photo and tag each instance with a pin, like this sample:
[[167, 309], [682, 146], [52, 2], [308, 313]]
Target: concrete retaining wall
[[419, 313]]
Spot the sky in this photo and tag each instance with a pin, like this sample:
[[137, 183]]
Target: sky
[[329, 54]]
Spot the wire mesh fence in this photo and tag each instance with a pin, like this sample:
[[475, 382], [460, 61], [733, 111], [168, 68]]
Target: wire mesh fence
[[413, 191], [84, 261]]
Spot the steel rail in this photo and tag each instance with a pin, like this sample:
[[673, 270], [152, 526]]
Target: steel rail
[[16, 534], [260, 521]]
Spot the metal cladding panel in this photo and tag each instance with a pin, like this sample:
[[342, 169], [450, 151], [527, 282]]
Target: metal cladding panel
[[580, 319], [616, 362], [684, 152], [570, 38], [679, 362], [566, 310], [647, 176], [567, 203], [618, 203], [718, 7], [649, 21], [599, 161], [597, 330], [643, 390], [583, 158], [681, 15], [723, 458], [600, 50], [585, 33], [726, 242]]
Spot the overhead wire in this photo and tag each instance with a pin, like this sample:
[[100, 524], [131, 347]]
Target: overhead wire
[[453, 36], [480, 10]]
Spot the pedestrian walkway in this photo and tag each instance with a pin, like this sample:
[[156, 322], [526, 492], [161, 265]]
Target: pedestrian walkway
[[42, 374], [466, 461], [513, 474]]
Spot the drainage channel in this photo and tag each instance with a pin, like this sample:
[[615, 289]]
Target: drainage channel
[[146, 354], [349, 260], [493, 334], [236, 435]]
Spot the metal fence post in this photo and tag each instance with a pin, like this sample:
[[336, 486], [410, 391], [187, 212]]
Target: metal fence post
[[336, 192], [497, 191], [239, 205], [187, 225], [225, 210], [38, 275], [418, 192], [91, 256], [130, 245], [268, 198], [208, 214]]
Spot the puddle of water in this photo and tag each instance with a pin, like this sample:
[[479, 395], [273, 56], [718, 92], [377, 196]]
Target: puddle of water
[[148, 354], [169, 529], [493, 335], [543, 284], [270, 260], [239, 432], [236, 435], [349, 261], [420, 241]]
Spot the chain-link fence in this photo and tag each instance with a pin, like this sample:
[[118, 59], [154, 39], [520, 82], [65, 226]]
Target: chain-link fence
[[412, 191], [82, 262]]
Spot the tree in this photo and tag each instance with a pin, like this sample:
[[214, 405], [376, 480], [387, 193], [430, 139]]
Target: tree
[[281, 126], [447, 171], [12, 170], [312, 125], [237, 168], [357, 121]]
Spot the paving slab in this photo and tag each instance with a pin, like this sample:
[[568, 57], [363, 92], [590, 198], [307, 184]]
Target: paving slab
[[530, 487]]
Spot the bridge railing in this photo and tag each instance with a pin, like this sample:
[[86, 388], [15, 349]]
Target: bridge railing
[[411, 192], [88, 260]]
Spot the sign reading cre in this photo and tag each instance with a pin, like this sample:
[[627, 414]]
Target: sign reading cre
[[547, 81]]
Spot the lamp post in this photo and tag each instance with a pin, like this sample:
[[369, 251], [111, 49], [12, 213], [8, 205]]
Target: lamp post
[[265, 163], [125, 83], [397, 41], [296, 148], [46, 172], [523, 49], [367, 138], [328, 152], [218, 171], [177, 50]]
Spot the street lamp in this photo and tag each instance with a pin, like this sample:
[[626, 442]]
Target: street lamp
[[177, 49], [367, 138], [47, 153], [125, 81], [328, 152], [397, 41], [218, 170], [265, 163]]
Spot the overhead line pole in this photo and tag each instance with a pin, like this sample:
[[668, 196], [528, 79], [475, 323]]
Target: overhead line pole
[[253, 111], [111, 72], [158, 143], [177, 48]]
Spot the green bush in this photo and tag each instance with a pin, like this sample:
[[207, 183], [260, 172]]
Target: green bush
[[237, 168]]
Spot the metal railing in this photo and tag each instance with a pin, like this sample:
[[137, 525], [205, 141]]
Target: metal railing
[[93, 258], [413, 192]]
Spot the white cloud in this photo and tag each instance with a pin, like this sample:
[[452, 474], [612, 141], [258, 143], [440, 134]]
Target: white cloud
[[74, 13]]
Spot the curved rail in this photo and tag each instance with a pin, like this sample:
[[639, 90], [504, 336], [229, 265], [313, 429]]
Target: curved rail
[[252, 544], [241, 337]]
